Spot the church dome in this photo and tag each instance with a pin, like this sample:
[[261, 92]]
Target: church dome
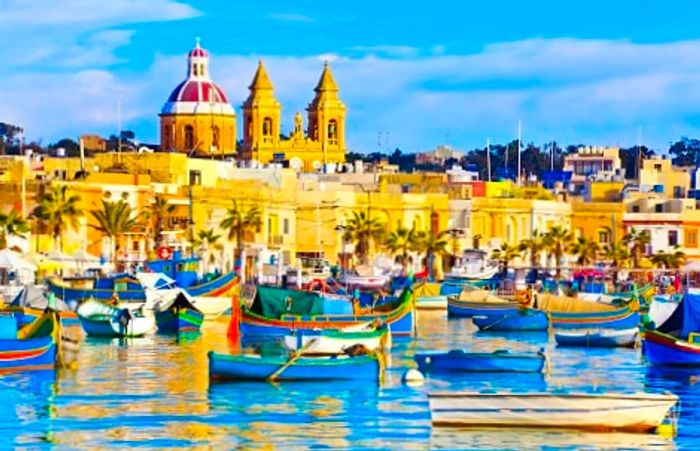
[[198, 94]]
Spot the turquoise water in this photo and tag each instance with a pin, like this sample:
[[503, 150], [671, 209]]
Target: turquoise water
[[154, 393]]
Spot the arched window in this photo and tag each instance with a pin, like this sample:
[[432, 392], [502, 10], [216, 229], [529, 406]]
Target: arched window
[[333, 131], [215, 137], [167, 137], [267, 127], [189, 137]]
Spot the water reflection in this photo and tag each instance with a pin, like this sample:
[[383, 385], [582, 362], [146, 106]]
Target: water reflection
[[154, 392]]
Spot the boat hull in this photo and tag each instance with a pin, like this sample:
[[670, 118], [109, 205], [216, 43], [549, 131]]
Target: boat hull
[[517, 320], [245, 367], [431, 302], [624, 319], [182, 320], [597, 338], [468, 309], [667, 350], [337, 342], [605, 412], [499, 361], [32, 354]]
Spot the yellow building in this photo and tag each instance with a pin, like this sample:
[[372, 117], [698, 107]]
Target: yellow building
[[599, 221], [197, 118], [658, 175], [324, 140]]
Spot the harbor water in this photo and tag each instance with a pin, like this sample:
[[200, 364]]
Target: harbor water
[[154, 393]]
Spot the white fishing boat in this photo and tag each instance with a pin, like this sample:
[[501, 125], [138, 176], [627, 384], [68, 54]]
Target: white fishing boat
[[162, 290], [104, 320], [472, 265], [332, 342], [639, 412], [211, 306]]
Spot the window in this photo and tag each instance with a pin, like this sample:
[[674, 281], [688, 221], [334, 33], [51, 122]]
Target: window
[[691, 238], [657, 167], [135, 245], [285, 226], [333, 131], [267, 127], [215, 137], [189, 137], [603, 236], [673, 238], [677, 192], [659, 208], [195, 178], [635, 209]]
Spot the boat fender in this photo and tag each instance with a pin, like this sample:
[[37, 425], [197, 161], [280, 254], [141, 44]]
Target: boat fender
[[413, 377]]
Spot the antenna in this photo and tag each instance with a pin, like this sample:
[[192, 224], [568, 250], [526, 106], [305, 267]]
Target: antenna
[[519, 150], [488, 158]]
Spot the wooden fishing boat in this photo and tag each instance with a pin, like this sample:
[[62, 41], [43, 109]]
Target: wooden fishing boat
[[277, 311], [333, 341], [179, 315], [617, 319], [256, 367], [513, 320], [641, 412], [431, 302], [478, 302], [668, 350], [129, 289], [502, 360], [597, 337], [32, 347], [102, 320]]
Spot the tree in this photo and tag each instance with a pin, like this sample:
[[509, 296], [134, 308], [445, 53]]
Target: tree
[[11, 224], [637, 241], [8, 137], [557, 241], [362, 230], [533, 246], [617, 256], [208, 239], [158, 212], [504, 255], [239, 222], [432, 245], [401, 241], [685, 152], [586, 251], [115, 219], [56, 210], [669, 260]]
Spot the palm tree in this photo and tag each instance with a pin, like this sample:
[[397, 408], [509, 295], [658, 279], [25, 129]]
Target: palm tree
[[669, 260], [401, 241], [239, 222], [208, 239], [115, 219], [433, 245], [586, 250], [11, 224], [557, 241], [637, 241], [158, 212], [56, 210], [362, 230], [534, 247], [504, 255], [618, 256]]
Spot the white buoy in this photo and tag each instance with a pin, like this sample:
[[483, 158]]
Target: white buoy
[[413, 377]]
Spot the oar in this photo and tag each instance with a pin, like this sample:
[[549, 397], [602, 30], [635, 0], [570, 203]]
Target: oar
[[291, 360], [505, 317]]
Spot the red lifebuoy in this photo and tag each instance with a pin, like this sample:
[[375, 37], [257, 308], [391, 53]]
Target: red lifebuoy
[[165, 253]]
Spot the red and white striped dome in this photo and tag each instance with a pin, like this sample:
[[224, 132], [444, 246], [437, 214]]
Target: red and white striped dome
[[198, 94]]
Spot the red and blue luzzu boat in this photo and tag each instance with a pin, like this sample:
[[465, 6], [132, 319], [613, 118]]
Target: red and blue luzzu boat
[[678, 347], [179, 316], [278, 311], [32, 347]]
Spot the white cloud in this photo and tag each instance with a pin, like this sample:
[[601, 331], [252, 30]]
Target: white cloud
[[290, 17], [566, 89], [387, 50]]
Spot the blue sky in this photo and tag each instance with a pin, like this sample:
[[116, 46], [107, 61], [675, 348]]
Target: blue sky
[[421, 73]]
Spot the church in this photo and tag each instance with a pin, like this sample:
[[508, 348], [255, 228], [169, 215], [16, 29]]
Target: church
[[198, 119]]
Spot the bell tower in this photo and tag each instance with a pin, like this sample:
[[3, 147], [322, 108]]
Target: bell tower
[[261, 116], [327, 114]]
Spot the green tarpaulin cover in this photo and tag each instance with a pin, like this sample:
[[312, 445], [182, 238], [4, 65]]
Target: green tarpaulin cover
[[273, 302]]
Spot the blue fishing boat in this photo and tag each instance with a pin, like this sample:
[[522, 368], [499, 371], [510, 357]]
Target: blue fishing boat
[[278, 311], [32, 347], [179, 316], [513, 320], [468, 309], [498, 361], [256, 367], [102, 320], [597, 338], [679, 346]]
